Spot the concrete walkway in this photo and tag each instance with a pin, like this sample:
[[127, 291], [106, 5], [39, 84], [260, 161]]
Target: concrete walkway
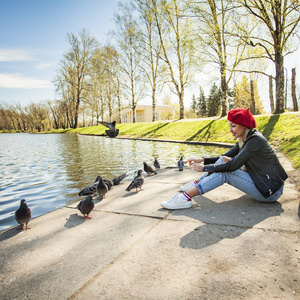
[[226, 247]]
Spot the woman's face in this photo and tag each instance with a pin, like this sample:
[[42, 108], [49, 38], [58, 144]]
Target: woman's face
[[238, 131]]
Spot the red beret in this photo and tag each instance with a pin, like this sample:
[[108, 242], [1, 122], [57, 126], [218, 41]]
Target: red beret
[[241, 116]]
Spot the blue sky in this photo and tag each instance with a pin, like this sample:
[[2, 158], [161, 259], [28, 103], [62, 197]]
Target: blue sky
[[33, 40]]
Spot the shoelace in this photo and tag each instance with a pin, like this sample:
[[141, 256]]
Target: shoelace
[[173, 198]]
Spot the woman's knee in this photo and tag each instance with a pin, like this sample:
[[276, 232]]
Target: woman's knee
[[225, 159]]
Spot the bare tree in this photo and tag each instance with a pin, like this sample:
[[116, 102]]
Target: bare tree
[[130, 55], [75, 67], [151, 45]]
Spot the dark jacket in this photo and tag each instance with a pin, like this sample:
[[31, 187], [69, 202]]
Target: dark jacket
[[260, 160]]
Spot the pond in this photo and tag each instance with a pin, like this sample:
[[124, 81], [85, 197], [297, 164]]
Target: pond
[[48, 170]]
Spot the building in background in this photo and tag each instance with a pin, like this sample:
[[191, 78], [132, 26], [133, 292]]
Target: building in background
[[144, 113]]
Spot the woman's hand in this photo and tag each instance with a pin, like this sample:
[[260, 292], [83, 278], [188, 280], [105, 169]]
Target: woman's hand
[[192, 161], [197, 167]]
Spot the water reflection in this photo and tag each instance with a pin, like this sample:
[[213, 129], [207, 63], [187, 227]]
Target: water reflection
[[49, 170]]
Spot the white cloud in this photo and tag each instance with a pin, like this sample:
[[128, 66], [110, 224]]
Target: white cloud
[[46, 65], [14, 55], [18, 81]]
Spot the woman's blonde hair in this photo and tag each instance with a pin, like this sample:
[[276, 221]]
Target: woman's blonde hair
[[240, 141]]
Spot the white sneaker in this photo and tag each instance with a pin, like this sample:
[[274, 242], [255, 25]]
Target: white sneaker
[[176, 203], [188, 186]]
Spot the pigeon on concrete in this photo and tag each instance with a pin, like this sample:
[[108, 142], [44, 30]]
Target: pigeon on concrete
[[180, 163], [109, 183], [137, 182], [86, 206], [148, 169], [23, 215], [89, 190], [117, 180], [101, 188], [156, 163]]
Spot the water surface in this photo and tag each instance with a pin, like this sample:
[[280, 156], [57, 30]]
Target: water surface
[[48, 170]]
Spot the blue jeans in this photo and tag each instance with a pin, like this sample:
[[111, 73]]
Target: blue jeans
[[239, 179]]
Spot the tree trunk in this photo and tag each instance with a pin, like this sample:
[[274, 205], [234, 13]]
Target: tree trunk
[[181, 105], [271, 94], [294, 97], [252, 107], [224, 91], [279, 83], [153, 104]]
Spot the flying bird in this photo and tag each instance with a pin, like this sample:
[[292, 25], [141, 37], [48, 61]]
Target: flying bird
[[23, 215], [137, 182], [180, 163], [148, 169], [156, 163], [101, 188], [111, 126], [86, 206], [117, 180]]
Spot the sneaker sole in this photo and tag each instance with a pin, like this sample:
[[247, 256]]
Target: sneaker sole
[[176, 207]]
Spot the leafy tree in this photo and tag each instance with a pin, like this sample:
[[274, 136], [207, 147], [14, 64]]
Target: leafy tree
[[275, 33], [175, 33], [219, 40], [243, 96]]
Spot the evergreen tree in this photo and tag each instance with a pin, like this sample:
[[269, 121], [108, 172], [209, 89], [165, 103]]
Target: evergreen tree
[[214, 101], [202, 111], [194, 104]]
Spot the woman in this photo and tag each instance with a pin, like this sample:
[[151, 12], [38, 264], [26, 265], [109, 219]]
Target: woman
[[250, 166]]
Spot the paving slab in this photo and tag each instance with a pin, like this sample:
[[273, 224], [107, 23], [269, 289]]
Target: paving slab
[[227, 246]]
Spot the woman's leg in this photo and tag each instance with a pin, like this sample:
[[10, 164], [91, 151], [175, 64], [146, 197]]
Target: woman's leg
[[239, 179]]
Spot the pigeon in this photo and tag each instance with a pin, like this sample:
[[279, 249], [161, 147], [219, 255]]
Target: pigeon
[[23, 215], [111, 126], [109, 183], [137, 182], [117, 180], [101, 188], [180, 163], [86, 206], [156, 163], [89, 190], [148, 169]]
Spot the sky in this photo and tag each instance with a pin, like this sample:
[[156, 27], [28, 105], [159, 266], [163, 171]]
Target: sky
[[33, 41]]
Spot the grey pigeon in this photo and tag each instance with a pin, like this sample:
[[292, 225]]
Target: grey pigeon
[[23, 215], [86, 206], [148, 169], [137, 182], [89, 190], [108, 183], [101, 188], [156, 163], [117, 180], [180, 163]]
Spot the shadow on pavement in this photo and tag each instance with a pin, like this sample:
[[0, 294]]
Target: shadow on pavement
[[225, 220]]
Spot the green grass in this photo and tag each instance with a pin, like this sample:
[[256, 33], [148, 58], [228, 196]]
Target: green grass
[[282, 131]]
